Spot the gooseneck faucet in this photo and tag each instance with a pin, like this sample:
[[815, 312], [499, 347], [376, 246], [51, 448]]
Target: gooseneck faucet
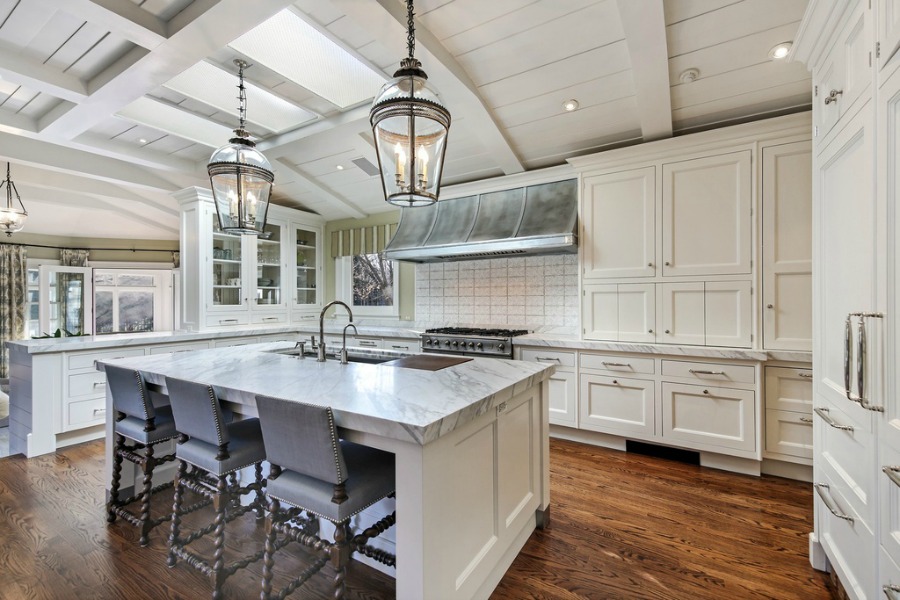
[[344, 360], [321, 355]]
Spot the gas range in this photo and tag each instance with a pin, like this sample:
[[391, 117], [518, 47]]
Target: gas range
[[471, 341]]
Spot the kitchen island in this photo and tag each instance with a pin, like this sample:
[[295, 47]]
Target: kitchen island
[[470, 440]]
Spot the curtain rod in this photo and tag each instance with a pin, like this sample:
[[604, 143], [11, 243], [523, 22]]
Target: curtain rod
[[89, 249]]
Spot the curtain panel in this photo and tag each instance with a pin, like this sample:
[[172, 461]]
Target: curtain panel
[[361, 240], [13, 288], [68, 258]]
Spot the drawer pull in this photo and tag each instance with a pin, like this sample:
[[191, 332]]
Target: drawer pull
[[805, 375], [830, 504], [270, 318], [706, 391], [396, 347], [892, 591], [366, 343], [615, 364], [223, 321], [99, 411], [823, 412], [893, 474], [705, 372], [806, 420], [99, 384], [547, 359]]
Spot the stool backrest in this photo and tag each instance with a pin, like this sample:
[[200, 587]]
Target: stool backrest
[[197, 411], [302, 437], [129, 392]]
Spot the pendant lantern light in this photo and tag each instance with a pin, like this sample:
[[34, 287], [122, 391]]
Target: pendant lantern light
[[241, 177], [12, 217], [410, 125]]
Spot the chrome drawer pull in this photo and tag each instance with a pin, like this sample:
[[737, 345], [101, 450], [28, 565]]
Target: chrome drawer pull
[[396, 347], [806, 420], [366, 343], [703, 372], [830, 504], [99, 411], [805, 375], [892, 591], [615, 364], [547, 359], [223, 321], [99, 384], [270, 318], [893, 474], [823, 412], [848, 350]]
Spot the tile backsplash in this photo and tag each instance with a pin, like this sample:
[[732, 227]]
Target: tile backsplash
[[534, 292]]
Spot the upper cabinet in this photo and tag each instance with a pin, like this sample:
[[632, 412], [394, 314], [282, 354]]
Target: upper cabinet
[[230, 280]]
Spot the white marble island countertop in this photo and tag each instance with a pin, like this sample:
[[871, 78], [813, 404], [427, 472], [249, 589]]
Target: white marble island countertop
[[405, 404]]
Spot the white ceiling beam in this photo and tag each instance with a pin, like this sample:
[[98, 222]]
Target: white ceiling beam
[[39, 77], [125, 19], [206, 34], [280, 145], [644, 24], [302, 178], [99, 144], [389, 17]]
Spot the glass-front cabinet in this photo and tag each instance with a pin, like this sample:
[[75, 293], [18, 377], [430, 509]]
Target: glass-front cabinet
[[227, 263], [308, 266]]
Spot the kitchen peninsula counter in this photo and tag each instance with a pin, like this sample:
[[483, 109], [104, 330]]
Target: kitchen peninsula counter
[[471, 443]]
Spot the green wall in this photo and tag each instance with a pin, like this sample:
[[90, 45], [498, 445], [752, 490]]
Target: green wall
[[407, 270], [163, 255]]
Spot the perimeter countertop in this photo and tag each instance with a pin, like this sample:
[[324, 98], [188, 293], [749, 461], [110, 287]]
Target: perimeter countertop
[[400, 403]]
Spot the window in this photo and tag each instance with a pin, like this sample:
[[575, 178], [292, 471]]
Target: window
[[131, 300], [33, 296], [368, 283]]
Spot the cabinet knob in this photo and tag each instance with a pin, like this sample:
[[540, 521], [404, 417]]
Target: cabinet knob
[[615, 382], [668, 264], [667, 331], [770, 306], [705, 391], [832, 96], [649, 331], [649, 264]]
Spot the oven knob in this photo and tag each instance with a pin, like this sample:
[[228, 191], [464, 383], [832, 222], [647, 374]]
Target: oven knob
[[447, 343], [480, 346], [501, 346], [471, 344], [455, 344], [427, 342]]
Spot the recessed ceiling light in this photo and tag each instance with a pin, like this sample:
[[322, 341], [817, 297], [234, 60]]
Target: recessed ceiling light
[[142, 141], [689, 75], [340, 167], [570, 105], [780, 51]]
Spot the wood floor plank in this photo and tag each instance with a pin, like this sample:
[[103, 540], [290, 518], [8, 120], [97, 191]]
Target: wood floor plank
[[623, 526]]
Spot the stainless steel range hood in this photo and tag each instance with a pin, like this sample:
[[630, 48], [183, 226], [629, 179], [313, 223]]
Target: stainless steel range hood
[[538, 219]]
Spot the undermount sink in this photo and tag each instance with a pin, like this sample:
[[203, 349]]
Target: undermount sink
[[354, 355]]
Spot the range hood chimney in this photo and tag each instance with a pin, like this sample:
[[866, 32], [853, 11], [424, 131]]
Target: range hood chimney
[[537, 219]]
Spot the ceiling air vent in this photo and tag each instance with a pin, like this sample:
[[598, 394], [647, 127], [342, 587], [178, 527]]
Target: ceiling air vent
[[367, 167]]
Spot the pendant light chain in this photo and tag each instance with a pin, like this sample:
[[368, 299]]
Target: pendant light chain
[[242, 97], [410, 29]]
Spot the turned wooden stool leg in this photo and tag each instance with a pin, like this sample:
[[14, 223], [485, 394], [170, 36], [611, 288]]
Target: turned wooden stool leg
[[220, 502], [116, 478], [268, 557], [147, 465], [260, 493], [340, 557], [176, 512]]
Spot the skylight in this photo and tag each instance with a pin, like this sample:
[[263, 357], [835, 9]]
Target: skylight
[[218, 88], [175, 121], [296, 50]]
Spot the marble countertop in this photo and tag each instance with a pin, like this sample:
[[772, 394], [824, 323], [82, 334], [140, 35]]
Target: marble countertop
[[543, 340], [404, 404]]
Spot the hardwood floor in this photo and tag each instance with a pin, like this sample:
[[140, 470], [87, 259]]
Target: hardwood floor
[[623, 526]]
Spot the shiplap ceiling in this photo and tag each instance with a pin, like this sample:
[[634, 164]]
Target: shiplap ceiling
[[98, 141]]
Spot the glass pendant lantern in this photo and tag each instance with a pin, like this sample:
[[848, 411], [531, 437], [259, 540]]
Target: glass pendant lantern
[[241, 177], [12, 217], [410, 125]]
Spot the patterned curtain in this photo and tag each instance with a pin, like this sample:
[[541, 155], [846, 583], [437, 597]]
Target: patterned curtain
[[69, 258], [13, 285]]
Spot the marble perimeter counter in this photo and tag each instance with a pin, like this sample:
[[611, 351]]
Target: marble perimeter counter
[[471, 444]]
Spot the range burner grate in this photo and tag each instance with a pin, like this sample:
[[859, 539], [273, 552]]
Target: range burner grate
[[478, 331]]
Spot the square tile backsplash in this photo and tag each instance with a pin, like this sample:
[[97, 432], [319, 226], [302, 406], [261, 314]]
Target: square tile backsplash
[[539, 293]]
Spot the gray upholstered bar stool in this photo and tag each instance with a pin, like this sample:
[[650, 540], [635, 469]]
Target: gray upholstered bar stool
[[313, 471], [136, 419], [216, 448]]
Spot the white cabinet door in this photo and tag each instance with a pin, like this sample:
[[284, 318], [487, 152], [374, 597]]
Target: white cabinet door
[[563, 399], [787, 246], [709, 418], [681, 313], [855, 47], [707, 225], [637, 312], [306, 264], [888, 30], [619, 224], [617, 405], [728, 312], [600, 312]]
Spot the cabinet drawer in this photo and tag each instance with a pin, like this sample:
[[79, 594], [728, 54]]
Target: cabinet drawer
[[847, 457], [789, 433], [166, 348], [711, 418], [227, 320], [402, 345], [617, 405], [85, 360], [713, 373], [90, 384], [789, 389], [84, 413], [560, 359], [617, 364], [269, 319], [363, 342]]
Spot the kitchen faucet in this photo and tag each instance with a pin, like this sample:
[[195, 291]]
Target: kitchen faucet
[[321, 355], [344, 344]]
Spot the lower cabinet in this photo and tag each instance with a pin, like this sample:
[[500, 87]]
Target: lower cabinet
[[617, 405], [709, 417], [563, 387], [789, 415]]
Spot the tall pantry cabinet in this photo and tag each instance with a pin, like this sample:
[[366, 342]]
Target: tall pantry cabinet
[[849, 45]]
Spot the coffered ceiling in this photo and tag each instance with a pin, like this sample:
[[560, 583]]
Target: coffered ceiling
[[109, 106]]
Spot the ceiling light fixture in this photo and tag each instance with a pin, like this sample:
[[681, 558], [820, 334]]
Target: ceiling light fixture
[[241, 177], [780, 51], [340, 167], [12, 218], [142, 141], [570, 105], [689, 75], [410, 125]]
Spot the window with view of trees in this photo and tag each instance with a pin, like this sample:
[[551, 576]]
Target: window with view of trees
[[368, 284]]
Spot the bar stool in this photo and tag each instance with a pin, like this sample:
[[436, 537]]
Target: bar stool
[[215, 449], [313, 471], [136, 419]]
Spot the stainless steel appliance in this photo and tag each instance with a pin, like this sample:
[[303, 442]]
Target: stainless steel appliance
[[469, 341]]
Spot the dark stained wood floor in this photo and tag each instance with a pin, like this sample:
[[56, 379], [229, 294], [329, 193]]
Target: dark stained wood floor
[[623, 526]]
